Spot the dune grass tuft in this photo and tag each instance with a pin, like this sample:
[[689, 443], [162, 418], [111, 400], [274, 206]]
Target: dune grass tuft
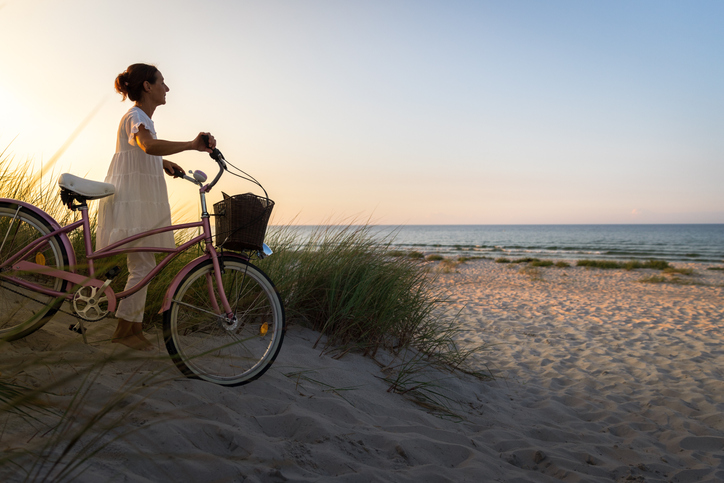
[[630, 265], [71, 416], [448, 266], [342, 282], [602, 264], [533, 272], [533, 262], [541, 263], [655, 279]]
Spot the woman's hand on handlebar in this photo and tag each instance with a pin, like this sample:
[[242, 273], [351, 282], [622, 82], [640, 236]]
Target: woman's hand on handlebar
[[204, 142], [172, 169]]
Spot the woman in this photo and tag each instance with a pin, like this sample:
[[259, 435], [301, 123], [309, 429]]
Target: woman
[[140, 202]]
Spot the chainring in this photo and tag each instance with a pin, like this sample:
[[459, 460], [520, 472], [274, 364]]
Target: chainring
[[89, 304]]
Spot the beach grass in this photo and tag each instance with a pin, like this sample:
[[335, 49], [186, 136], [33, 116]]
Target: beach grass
[[20, 181], [342, 282], [601, 264], [661, 265], [670, 279], [448, 266], [533, 272], [679, 270], [533, 262], [396, 253], [629, 265], [541, 263], [71, 419]]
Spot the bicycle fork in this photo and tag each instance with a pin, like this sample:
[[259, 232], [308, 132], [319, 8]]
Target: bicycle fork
[[230, 323]]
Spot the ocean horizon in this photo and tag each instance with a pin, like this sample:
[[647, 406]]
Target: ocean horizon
[[671, 242]]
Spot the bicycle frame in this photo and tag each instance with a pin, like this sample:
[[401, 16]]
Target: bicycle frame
[[12, 264]]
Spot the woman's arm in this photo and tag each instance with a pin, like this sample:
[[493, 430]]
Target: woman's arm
[[161, 147]]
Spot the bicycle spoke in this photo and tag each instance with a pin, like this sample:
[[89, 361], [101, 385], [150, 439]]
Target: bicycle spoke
[[12, 222], [196, 308]]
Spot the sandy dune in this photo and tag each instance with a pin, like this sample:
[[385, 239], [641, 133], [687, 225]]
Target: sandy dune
[[598, 378]]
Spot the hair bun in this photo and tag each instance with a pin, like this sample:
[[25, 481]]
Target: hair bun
[[129, 83]]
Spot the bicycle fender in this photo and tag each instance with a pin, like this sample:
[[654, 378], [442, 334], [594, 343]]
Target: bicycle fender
[[185, 271], [51, 221]]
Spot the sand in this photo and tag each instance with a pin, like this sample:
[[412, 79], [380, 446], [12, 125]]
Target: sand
[[597, 377]]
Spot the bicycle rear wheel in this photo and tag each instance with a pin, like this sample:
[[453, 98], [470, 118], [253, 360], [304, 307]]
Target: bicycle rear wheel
[[23, 311], [206, 346]]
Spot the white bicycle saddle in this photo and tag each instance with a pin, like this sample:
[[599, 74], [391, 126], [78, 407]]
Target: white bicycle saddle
[[91, 190]]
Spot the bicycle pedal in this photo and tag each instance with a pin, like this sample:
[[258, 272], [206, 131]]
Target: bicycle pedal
[[76, 328]]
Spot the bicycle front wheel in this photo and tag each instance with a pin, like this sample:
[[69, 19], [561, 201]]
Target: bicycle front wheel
[[204, 344], [23, 311]]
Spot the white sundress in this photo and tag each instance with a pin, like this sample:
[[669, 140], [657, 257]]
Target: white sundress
[[140, 202]]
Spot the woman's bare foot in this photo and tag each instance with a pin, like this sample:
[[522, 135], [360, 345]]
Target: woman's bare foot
[[138, 332], [131, 335], [134, 343]]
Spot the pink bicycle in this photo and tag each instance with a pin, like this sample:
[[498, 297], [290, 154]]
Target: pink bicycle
[[223, 319]]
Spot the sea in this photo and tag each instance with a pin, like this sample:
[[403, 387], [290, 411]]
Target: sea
[[674, 243]]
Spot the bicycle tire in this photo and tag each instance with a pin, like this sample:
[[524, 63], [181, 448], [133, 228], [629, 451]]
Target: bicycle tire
[[203, 346], [23, 311]]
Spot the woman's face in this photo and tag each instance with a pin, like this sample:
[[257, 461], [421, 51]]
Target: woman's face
[[156, 92]]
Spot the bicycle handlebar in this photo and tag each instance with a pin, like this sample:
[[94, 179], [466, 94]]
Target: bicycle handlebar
[[216, 155]]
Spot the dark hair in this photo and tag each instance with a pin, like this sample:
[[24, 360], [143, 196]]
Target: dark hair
[[130, 82]]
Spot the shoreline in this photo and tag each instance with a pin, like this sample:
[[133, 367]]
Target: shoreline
[[706, 264], [672, 242], [598, 377]]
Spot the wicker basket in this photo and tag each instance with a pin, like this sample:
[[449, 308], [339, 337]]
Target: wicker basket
[[241, 221]]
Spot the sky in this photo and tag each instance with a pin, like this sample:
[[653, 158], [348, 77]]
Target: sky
[[397, 112]]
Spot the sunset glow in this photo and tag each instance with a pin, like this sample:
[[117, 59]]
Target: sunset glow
[[400, 112]]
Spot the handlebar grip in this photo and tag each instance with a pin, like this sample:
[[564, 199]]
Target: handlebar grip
[[178, 173], [215, 153]]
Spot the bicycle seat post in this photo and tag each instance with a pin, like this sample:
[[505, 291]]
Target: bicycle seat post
[[87, 238]]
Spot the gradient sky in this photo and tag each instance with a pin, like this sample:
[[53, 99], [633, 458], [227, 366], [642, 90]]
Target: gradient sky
[[397, 112]]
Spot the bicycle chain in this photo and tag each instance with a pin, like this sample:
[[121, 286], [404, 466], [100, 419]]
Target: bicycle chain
[[58, 309]]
